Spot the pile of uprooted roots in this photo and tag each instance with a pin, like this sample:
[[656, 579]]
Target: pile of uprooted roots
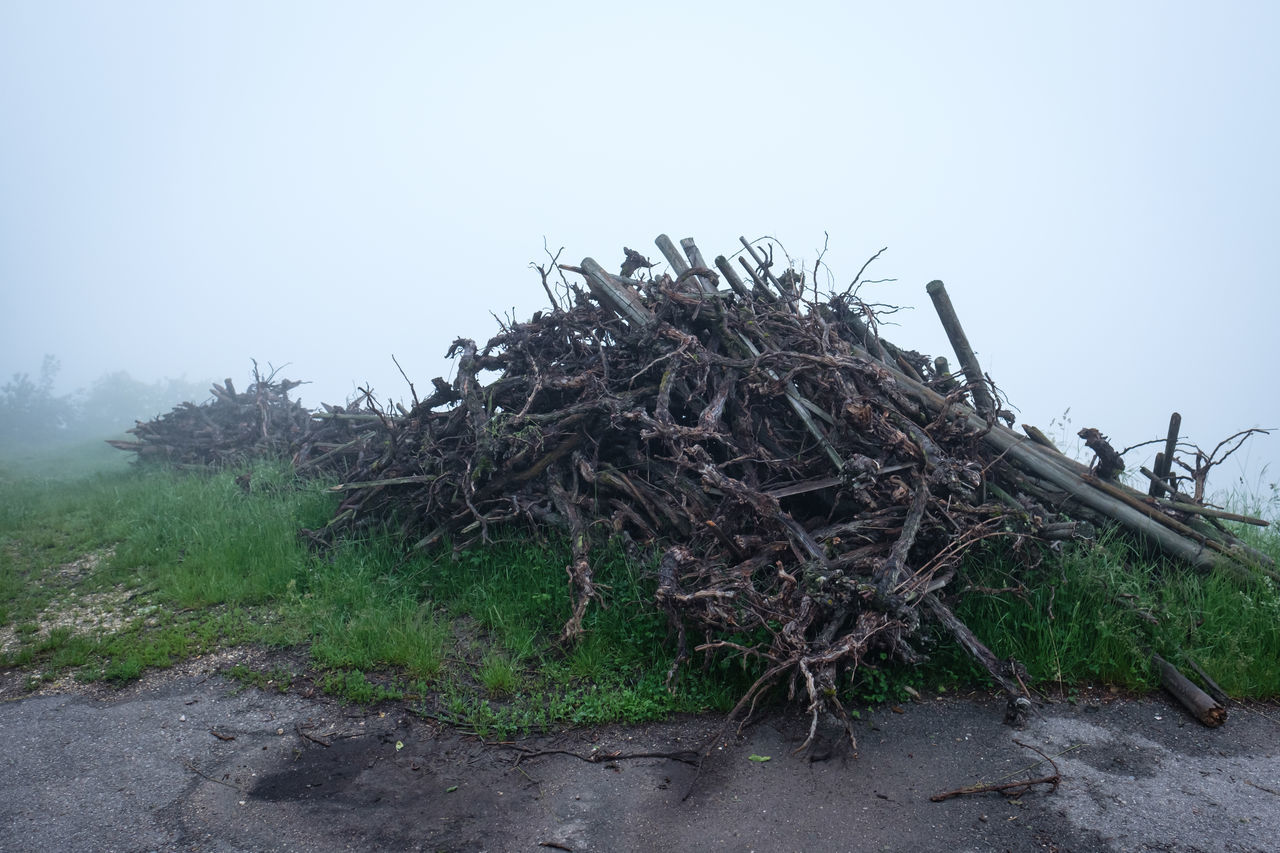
[[810, 488], [803, 479], [229, 429]]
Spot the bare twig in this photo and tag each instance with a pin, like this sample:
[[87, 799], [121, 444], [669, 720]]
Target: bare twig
[[1016, 788]]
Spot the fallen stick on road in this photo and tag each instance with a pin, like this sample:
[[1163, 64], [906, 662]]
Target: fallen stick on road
[[1015, 788]]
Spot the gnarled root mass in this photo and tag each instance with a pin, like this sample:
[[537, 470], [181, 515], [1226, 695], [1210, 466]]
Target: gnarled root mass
[[807, 505], [229, 429], [810, 488]]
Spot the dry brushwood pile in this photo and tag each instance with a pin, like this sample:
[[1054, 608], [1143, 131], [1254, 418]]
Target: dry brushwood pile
[[803, 480], [230, 429]]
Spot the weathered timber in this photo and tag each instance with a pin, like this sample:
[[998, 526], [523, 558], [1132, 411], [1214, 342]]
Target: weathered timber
[[1183, 504], [414, 479], [1002, 672], [735, 281], [1236, 556], [1201, 705], [1036, 435], [697, 262], [669, 251], [1058, 470], [761, 289], [616, 295], [1158, 486], [1210, 685], [977, 380], [1164, 461]]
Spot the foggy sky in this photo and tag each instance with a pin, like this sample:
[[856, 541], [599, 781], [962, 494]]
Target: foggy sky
[[186, 186]]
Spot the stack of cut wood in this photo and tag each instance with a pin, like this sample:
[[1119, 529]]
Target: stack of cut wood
[[810, 487], [228, 429]]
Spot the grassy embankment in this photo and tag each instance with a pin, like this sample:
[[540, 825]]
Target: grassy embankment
[[105, 575]]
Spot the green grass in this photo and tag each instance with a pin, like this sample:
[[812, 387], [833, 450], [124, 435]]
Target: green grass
[[209, 542], [61, 461], [498, 674], [277, 678], [189, 562], [1096, 614], [1231, 628], [509, 602], [181, 564]]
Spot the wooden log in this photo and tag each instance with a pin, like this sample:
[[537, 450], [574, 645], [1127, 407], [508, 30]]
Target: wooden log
[[1182, 503], [698, 265], [669, 251], [805, 487], [389, 481], [1212, 541], [1157, 487], [905, 367], [868, 340], [1038, 436], [887, 574], [761, 290], [692, 252], [977, 381], [1210, 529], [1165, 465], [696, 260], [1015, 695], [1201, 705], [1062, 473], [761, 264], [363, 417], [679, 265], [1214, 690], [731, 275], [617, 296]]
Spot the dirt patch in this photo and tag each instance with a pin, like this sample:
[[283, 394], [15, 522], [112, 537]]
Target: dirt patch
[[92, 613], [16, 684], [70, 573]]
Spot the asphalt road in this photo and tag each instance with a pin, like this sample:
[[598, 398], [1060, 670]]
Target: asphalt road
[[185, 761]]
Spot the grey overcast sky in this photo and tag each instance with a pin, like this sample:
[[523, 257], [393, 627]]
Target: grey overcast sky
[[185, 186]]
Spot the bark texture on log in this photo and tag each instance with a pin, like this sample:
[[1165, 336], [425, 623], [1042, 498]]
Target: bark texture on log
[[1201, 705]]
